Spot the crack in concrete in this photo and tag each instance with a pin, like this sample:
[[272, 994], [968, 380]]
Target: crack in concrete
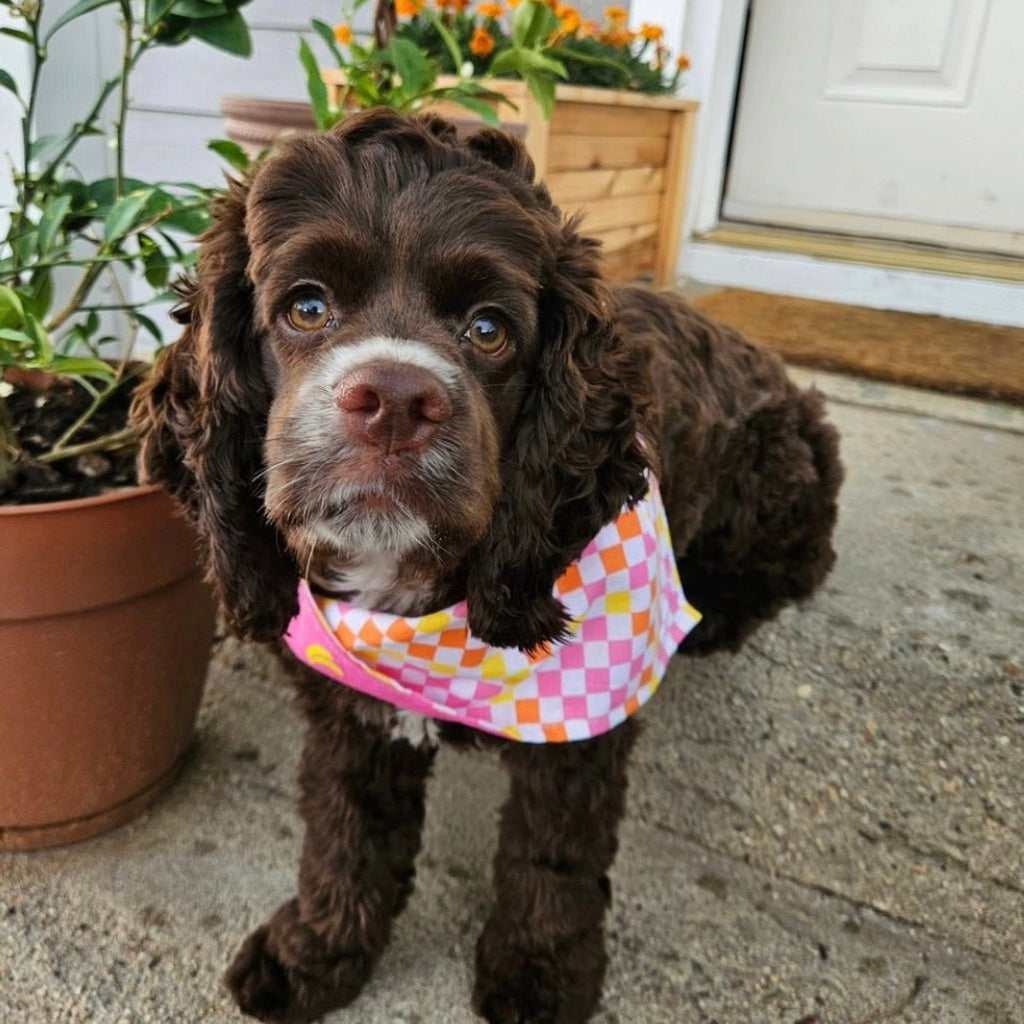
[[898, 1008], [825, 890]]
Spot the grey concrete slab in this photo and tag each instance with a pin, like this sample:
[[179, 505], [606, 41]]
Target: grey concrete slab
[[825, 827]]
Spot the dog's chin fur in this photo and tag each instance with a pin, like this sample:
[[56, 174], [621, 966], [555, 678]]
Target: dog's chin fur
[[408, 230]]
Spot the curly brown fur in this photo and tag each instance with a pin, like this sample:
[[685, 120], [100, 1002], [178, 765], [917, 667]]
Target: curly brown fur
[[395, 461], [362, 797], [202, 415], [750, 468], [541, 956]]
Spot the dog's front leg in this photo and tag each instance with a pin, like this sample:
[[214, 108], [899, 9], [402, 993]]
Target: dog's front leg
[[363, 804], [541, 957]]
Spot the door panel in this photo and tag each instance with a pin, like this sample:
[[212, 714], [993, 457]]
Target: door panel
[[892, 117], [904, 51]]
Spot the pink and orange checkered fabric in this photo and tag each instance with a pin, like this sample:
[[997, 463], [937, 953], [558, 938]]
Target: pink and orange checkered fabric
[[629, 614]]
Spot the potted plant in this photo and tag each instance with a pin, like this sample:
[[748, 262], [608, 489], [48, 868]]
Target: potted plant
[[388, 71], [105, 624], [594, 103]]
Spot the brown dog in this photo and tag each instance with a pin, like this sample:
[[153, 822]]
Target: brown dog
[[404, 379]]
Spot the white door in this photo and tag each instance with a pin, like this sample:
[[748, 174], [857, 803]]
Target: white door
[[889, 118]]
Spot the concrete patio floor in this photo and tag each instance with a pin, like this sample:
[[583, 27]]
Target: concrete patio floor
[[828, 827]]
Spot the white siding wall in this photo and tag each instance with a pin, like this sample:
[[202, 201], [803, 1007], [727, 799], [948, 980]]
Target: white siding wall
[[177, 91]]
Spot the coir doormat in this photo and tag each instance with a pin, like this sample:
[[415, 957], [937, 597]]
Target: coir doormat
[[958, 356]]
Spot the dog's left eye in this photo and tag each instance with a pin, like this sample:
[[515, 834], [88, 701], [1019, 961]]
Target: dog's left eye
[[309, 312], [488, 334]]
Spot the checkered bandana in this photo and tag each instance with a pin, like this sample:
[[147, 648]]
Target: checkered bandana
[[629, 614]]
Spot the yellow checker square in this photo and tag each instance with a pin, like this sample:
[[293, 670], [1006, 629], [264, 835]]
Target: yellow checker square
[[436, 622], [493, 667]]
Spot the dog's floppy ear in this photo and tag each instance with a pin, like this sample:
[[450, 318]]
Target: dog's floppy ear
[[202, 416], [577, 456]]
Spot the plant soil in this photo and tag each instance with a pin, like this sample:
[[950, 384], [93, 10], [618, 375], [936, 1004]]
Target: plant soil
[[40, 419]]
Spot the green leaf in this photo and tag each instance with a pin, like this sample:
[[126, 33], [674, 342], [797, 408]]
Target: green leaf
[[104, 191], [231, 152], [157, 266], [44, 145], [567, 53], [8, 82], [199, 9], [17, 33], [82, 7], [18, 337], [447, 38], [417, 70], [326, 33], [524, 62], [532, 23], [40, 339], [156, 10], [124, 215], [542, 89], [12, 313], [189, 221], [315, 86], [228, 33], [79, 366], [24, 247], [172, 244], [484, 111], [39, 294], [151, 327], [50, 223]]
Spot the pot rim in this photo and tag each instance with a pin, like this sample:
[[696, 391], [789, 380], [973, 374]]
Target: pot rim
[[71, 504], [241, 105]]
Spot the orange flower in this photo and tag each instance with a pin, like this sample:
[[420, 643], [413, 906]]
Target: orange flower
[[683, 63], [343, 33], [490, 10], [620, 37], [569, 18], [456, 5], [408, 8], [482, 43], [652, 33], [616, 14], [589, 28]]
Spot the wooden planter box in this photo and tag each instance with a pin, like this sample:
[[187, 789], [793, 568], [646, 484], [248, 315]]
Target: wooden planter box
[[622, 158]]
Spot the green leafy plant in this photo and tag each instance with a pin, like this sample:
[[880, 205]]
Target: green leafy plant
[[65, 235], [391, 70], [541, 42]]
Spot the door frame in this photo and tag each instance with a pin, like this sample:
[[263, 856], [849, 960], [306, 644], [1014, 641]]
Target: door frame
[[715, 35]]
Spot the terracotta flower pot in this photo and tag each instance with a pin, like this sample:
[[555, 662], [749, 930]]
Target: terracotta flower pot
[[256, 123], [105, 631]]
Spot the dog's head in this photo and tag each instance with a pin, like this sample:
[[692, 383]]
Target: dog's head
[[396, 344]]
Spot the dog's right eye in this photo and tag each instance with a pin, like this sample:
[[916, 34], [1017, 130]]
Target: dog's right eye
[[309, 312]]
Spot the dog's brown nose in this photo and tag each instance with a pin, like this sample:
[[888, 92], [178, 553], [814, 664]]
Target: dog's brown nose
[[394, 406]]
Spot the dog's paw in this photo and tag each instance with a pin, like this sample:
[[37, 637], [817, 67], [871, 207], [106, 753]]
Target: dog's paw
[[259, 981], [283, 973], [529, 625], [518, 986]]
